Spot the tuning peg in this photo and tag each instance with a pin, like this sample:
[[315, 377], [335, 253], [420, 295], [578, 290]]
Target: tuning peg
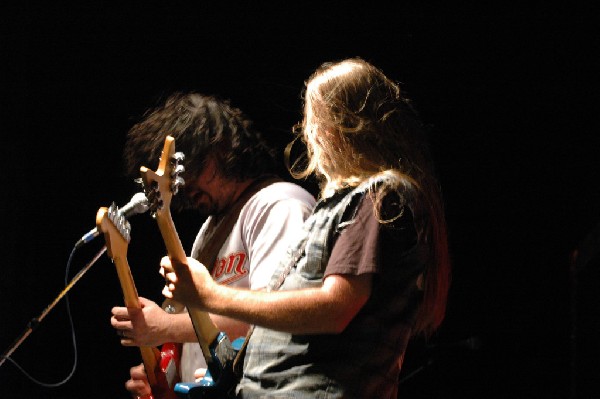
[[177, 170], [176, 184], [119, 221], [178, 157]]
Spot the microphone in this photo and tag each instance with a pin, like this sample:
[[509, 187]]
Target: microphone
[[137, 204]]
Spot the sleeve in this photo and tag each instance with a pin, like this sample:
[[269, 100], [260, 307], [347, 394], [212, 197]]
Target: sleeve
[[355, 251], [270, 236]]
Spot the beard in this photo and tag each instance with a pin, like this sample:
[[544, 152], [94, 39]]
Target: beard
[[204, 204]]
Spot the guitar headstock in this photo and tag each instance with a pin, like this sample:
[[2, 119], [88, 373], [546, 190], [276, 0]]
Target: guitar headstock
[[162, 184], [116, 229]]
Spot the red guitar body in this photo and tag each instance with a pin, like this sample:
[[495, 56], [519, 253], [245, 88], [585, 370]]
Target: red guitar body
[[166, 373]]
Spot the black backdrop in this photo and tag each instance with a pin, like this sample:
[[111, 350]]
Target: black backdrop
[[511, 94]]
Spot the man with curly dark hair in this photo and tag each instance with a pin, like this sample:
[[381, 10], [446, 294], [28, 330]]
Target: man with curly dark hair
[[225, 157]]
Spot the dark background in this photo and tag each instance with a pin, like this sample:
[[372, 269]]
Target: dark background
[[511, 93]]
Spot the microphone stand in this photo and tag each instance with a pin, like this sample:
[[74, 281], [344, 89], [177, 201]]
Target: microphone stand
[[33, 323]]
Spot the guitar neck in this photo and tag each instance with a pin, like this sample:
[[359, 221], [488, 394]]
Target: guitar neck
[[130, 297], [206, 330], [159, 187]]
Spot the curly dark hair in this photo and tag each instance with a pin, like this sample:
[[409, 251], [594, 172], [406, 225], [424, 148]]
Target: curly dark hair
[[201, 125]]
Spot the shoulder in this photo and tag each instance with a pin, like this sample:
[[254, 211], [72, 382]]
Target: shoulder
[[388, 201], [282, 191], [280, 203]]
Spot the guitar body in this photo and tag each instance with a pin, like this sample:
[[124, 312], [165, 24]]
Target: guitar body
[[169, 362], [165, 374], [208, 388]]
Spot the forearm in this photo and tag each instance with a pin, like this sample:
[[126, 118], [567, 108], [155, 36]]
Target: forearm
[[324, 310], [232, 327], [277, 310], [182, 330]]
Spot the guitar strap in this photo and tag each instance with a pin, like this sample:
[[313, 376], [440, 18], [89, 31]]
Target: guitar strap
[[219, 228]]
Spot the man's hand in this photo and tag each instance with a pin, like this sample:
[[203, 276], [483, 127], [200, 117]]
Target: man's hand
[[138, 384], [145, 326], [189, 284]]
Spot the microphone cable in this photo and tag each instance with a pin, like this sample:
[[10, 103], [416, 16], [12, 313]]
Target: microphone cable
[[138, 204], [37, 320]]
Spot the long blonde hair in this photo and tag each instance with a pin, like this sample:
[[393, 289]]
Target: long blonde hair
[[357, 125]]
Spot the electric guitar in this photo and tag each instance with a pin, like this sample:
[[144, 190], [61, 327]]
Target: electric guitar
[[218, 351], [161, 368]]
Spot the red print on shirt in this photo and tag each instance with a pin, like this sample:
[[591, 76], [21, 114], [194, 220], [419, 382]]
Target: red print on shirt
[[230, 268]]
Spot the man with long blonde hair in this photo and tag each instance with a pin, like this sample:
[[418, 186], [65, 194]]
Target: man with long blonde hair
[[372, 268]]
